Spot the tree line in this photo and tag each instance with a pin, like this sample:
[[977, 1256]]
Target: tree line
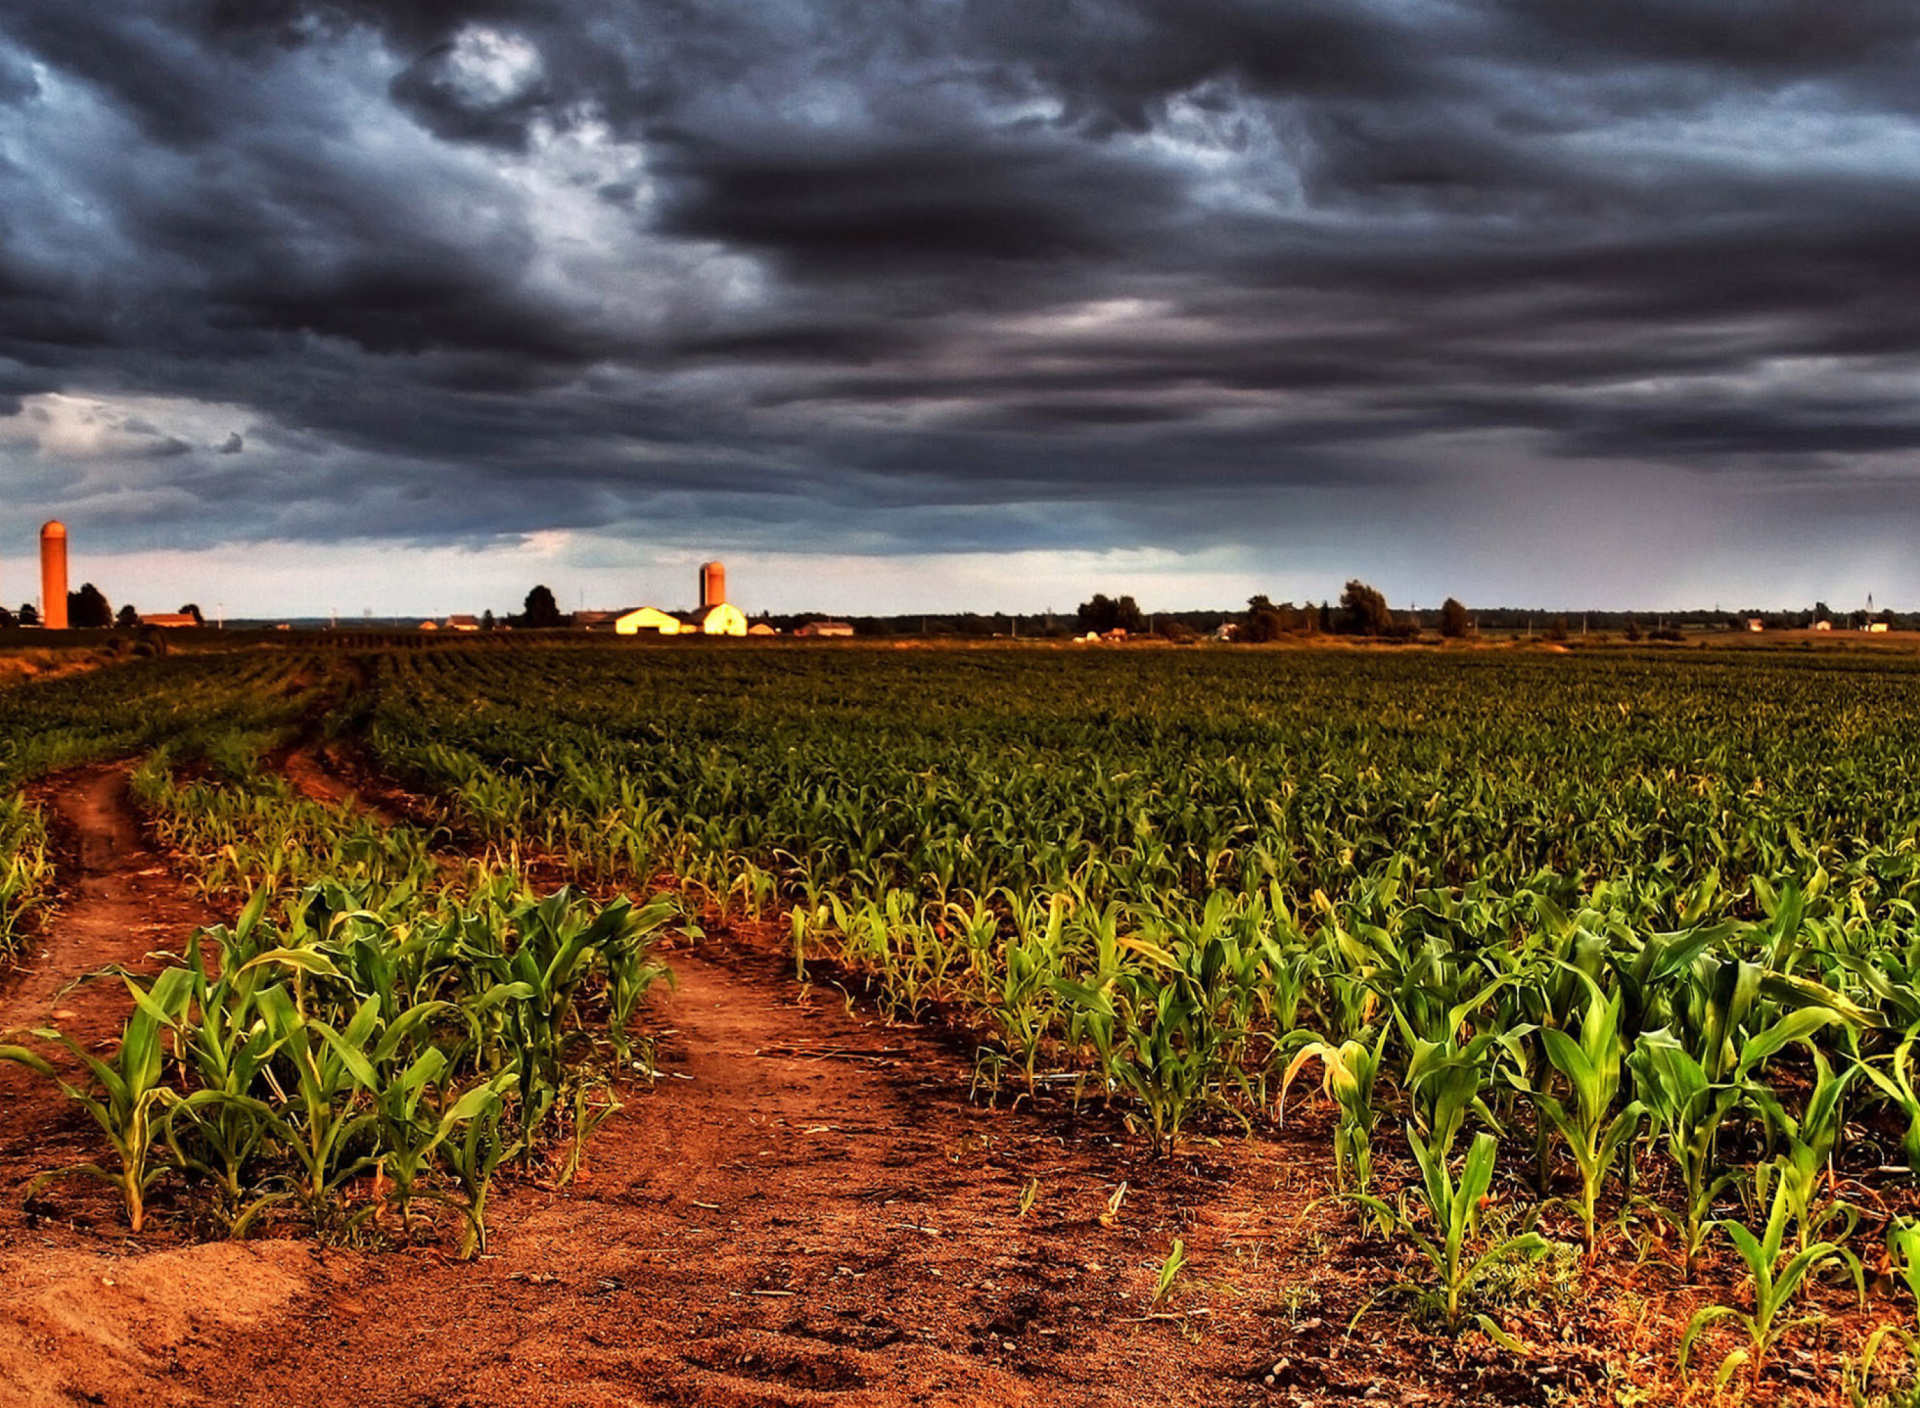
[[89, 610]]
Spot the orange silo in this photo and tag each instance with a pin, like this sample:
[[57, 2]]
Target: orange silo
[[53, 576], [713, 584]]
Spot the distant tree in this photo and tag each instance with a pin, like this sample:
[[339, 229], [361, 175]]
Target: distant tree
[[88, 609], [29, 614], [1103, 614], [1453, 619], [1558, 630], [541, 609], [7, 619], [1363, 611], [1820, 612], [1265, 621], [191, 610], [1633, 629], [127, 618], [487, 622]]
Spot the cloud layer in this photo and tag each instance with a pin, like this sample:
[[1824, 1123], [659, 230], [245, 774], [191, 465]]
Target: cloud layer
[[1345, 280]]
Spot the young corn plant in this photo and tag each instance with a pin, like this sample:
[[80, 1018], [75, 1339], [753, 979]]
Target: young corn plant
[[1593, 1132], [1810, 1139], [477, 1154], [1350, 1072], [1903, 1256], [132, 1104], [1778, 1272], [1454, 1208], [1688, 1109]]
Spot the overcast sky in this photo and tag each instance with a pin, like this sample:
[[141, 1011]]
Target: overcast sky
[[898, 305]]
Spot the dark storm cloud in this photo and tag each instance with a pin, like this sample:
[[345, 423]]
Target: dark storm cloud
[[500, 266]]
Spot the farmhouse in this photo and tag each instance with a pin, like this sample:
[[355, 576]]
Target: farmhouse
[[170, 620], [463, 623], [825, 628]]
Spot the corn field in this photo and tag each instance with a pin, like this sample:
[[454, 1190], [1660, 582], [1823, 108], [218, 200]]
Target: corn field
[[1610, 956], [1624, 945], [375, 1035]]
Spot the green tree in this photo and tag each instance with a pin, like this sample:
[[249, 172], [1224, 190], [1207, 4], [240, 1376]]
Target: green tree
[[1363, 611], [1453, 619], [1103, 614], [541, 609], [1265, 621], [88, 608], [127, 618]]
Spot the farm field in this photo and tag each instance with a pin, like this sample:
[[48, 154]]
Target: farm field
[[595, 1023]]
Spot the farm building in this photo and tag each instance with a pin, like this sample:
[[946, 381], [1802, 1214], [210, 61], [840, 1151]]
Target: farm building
[[721, 619], [170, 620], [825, 628], [761, 628], [647, 620], [1823, 625], [463, 623], [599, 620], [1754, 623]]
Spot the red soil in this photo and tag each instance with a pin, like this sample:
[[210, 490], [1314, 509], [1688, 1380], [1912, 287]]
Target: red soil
[[806, 1209]]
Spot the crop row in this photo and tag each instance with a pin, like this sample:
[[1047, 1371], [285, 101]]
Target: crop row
[[1635, 938], [377, 1031]]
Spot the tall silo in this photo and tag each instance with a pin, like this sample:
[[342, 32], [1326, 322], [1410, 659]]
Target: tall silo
[[713, 584], [53, 575]]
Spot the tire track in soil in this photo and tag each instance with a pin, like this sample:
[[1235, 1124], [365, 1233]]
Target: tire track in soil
[[86, 1314], [118, 901]]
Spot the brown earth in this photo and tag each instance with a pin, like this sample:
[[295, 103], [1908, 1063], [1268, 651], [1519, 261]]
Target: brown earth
[[807, 1208]]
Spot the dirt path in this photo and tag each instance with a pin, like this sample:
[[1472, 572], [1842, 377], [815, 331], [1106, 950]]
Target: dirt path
[[85, 1315], [807, 1210], [118, 903]]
